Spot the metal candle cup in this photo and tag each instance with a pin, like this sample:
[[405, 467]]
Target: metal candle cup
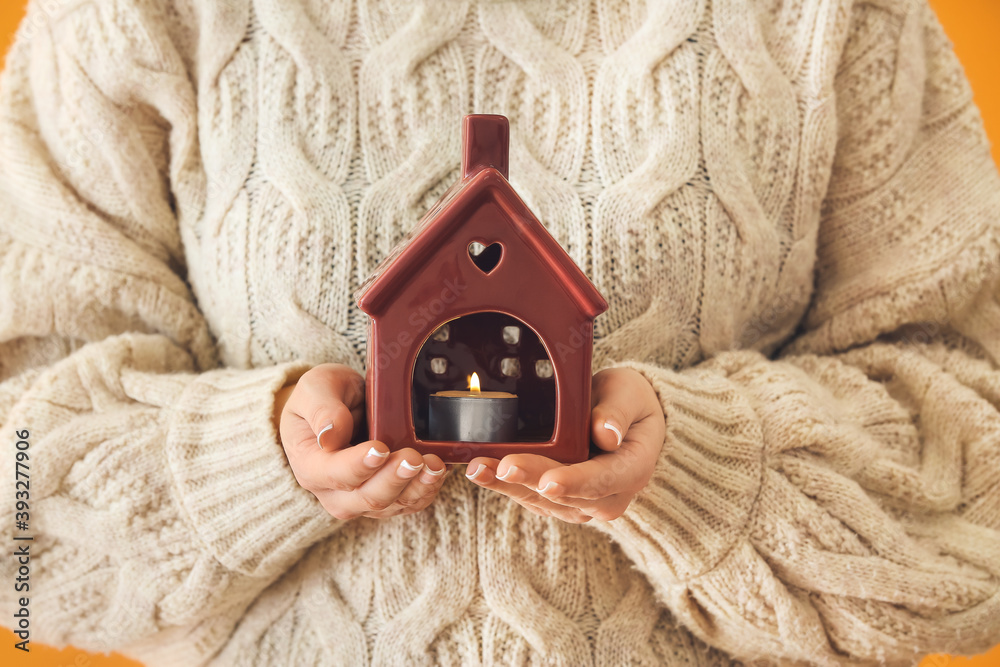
[[473, 416], [489, 417]]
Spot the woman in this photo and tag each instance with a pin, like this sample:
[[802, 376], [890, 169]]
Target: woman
[[790, 207]]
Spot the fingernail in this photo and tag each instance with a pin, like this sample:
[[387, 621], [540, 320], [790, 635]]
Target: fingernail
[[478, 470], [406, 471], [550, 489], [617, 432], [510, 471], [320, 434], [433, 475], [374, 458]]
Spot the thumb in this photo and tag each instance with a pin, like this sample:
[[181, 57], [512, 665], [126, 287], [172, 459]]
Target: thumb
[[616, 408], [321, 400]]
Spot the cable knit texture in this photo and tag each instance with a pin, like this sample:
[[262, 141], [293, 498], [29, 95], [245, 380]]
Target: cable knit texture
[[789, 205]]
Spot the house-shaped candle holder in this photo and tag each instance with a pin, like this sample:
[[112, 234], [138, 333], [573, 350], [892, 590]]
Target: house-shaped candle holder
[[479, 286]]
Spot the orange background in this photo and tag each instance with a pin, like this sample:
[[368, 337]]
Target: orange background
[[973, 26]]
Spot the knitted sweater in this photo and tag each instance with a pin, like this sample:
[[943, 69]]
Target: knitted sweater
[[789, 205]]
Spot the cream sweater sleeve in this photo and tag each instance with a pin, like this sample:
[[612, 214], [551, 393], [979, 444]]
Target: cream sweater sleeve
[[841, 501], [161, 502]]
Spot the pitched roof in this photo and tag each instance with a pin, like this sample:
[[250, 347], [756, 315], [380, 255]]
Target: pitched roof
[[451, 212]]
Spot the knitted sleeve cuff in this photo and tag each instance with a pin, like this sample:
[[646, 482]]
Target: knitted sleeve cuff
[[701, 495], [231, 474]]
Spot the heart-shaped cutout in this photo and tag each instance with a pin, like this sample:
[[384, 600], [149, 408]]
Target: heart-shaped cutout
[[485, 258]]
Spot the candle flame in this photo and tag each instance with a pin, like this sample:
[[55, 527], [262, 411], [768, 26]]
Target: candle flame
[[474, 383]]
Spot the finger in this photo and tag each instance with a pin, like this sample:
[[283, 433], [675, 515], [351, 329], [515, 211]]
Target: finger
[[605, 509], [598, 478], [569, 514], [563, 513], [419, 493], [311, 465], [343, 380], [536, 473], [528, 469], [618, 403], [434, 470], [483, 473], [352, 386], [319, 401], [384, 487], [346, 469], [525, 469]]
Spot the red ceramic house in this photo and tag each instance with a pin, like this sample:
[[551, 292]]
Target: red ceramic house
[[480, 286]]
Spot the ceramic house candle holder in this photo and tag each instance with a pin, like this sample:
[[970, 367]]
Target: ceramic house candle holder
[[479, 287]]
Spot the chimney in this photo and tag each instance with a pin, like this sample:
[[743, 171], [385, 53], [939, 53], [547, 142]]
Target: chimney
[[485, 140]]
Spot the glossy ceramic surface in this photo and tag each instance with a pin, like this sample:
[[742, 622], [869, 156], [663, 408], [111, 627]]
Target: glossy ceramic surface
[[525, 279]]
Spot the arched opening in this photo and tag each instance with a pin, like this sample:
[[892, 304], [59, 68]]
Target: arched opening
[[508, 356]]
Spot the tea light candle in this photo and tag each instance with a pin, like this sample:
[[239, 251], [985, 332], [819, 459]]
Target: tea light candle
[[474, 415]]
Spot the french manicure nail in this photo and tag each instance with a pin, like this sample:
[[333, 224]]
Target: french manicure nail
[[617, 431], [475, 473], [406, 470], [434, 474], [550, 488], [320, 434], [510, 471], [374, 458]]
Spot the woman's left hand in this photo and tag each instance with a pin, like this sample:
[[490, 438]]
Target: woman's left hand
[[627, 423]]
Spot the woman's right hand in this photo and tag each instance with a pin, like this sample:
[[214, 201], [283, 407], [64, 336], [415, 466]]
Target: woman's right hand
[[319, 416]]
